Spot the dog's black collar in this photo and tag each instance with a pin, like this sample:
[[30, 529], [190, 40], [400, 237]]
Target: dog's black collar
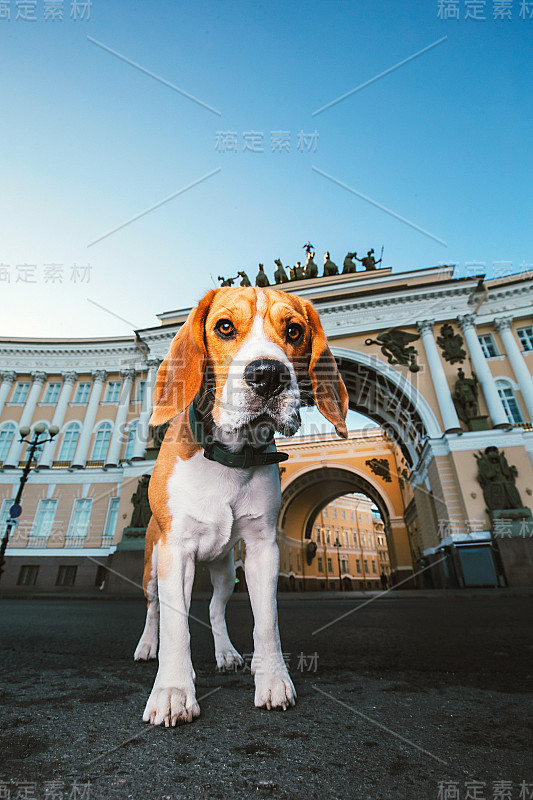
[[249, 456]]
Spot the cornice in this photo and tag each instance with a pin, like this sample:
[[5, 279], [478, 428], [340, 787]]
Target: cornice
[[54, 358], [397, 309], [512, 300]]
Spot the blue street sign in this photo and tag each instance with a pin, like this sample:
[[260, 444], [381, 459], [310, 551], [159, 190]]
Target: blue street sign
[[15, 510]]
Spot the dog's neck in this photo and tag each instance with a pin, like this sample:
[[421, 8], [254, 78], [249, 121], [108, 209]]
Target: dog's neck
[[257, 433]]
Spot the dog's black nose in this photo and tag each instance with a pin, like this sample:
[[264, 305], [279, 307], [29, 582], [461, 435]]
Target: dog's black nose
[[267, 377]]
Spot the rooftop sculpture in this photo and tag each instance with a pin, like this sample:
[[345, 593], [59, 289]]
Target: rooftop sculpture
[[307, 272]]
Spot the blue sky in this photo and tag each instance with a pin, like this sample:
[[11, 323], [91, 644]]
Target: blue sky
[[89, 142]]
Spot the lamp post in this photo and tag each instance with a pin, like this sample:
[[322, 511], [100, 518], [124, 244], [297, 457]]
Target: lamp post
[[338, 545], [16, 509], [323, 531]]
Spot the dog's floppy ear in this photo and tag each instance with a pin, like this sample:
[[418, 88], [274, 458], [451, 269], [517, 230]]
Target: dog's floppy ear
[[180, 375], [329, 391]]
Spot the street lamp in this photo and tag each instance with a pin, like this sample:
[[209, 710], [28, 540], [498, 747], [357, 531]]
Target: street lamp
[[323, 531], [16, 509], [338, 545]]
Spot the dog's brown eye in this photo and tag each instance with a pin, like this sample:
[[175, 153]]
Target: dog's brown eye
[[225, 328], [294, 332]]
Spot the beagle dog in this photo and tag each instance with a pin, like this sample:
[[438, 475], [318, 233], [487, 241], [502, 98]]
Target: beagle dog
[[238, 370]]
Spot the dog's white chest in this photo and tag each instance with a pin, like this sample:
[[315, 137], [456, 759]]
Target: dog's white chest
[[210, 503]]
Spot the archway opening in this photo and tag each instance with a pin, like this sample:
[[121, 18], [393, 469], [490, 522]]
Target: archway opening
[[316, 512]]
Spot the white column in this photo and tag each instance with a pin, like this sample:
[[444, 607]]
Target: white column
[[146, 411], [69, 379], [8, 378], [482, 370], [80, 456], [13, 457], [113, 455], [442, 390], [523, 378]]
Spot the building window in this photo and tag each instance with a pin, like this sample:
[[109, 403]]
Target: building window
[[374, 568], [83, 391], [112, 392], [346, 539], [344, 566], [70, 441], [358, 565], [526, 337], [6, 437], [320, 564], [79, 520], [510, 403], [52, 393], [330, 565], [343, 512], [352, 516], [139, 395], [66, 575], [111, 518], [28, 575], [325, 512], [7, 502], [132, 438], [334, 512], [318, 535], [44, 518], [21, 392], [328, 537], [488, 345], [365, 562], [101, 442]]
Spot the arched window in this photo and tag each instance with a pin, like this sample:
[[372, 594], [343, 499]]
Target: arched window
[[101, 442], [510, 403], [7, 433], [132, 438], [70, 441]]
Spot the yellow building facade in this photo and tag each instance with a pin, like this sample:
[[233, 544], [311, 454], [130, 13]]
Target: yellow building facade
[[402, 342]]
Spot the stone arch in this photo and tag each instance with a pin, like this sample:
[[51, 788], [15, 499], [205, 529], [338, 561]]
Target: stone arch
[[312, 488], [333, 476], [383, 393]]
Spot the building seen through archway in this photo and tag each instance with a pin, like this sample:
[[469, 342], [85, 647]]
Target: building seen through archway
[[347, 550]]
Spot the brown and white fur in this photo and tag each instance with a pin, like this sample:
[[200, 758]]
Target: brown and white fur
[[200, 508]]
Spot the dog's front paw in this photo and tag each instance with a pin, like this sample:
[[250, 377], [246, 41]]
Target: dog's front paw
[[274, 689], [229, 659], [145, 650], [171, 706]]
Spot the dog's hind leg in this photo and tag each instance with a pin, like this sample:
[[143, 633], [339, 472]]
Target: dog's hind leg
[[147, 647], [222, 574]]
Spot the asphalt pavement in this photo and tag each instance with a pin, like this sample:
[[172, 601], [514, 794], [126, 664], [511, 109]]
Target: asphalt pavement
[[405, 696]]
